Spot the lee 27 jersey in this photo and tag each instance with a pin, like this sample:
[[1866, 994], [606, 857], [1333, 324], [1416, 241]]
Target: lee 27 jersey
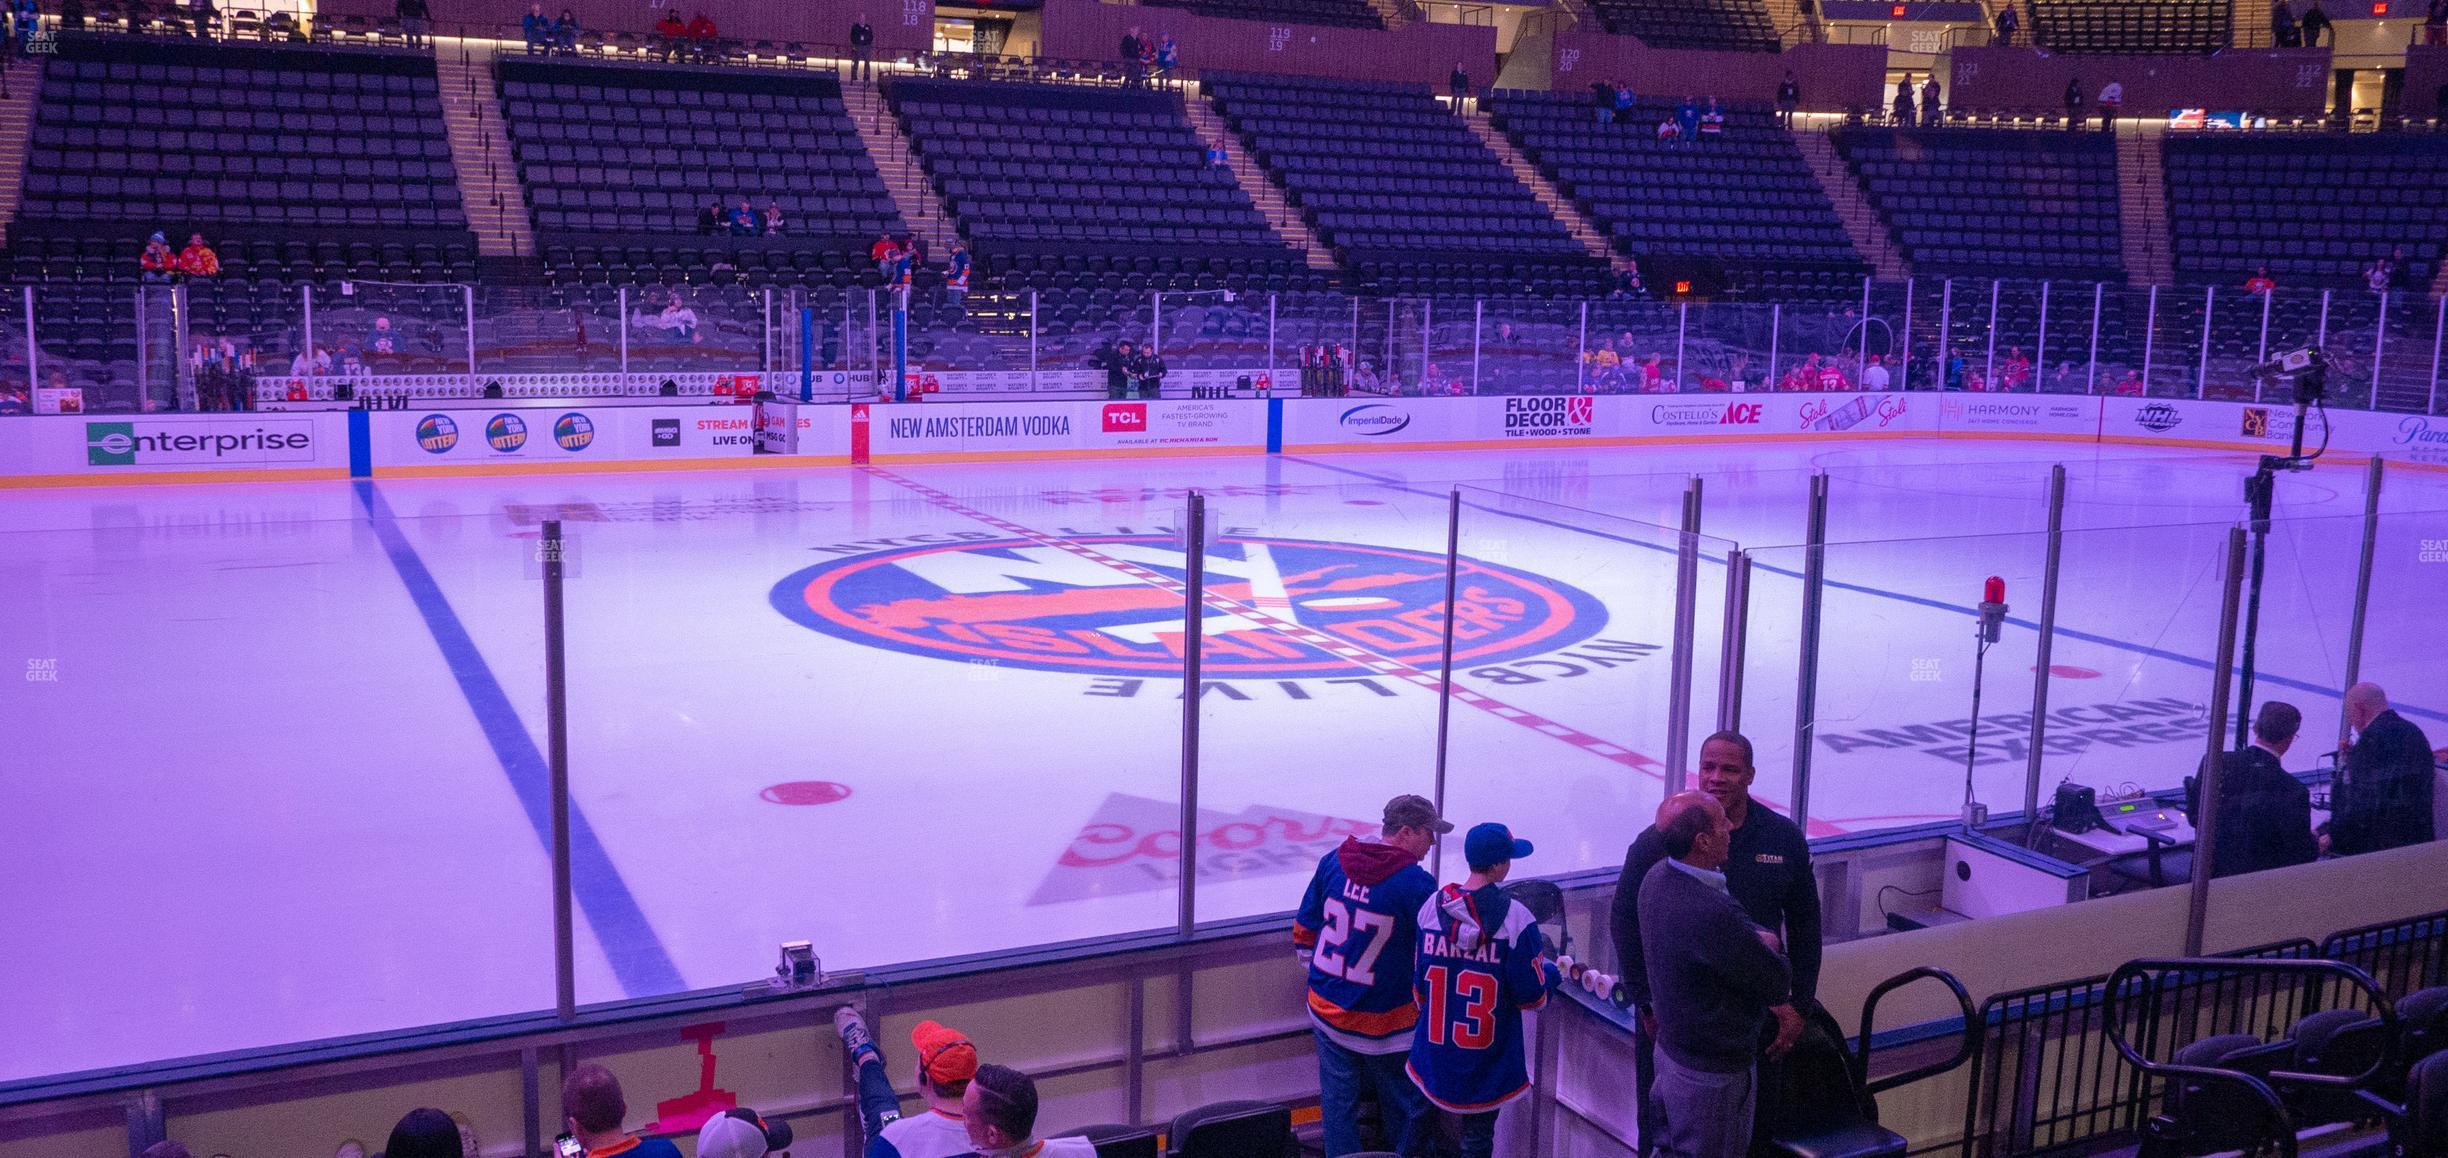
[[1358, 923]]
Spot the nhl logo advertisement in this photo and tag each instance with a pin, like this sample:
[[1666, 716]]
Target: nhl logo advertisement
[[1048, 638], [509, 440]]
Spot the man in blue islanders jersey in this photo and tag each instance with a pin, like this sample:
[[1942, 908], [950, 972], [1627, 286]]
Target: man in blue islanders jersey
[[1480, 966], [1356, 930]]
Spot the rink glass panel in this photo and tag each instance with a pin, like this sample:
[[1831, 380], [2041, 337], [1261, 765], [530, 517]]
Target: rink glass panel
[[295, 758], [777, 693]]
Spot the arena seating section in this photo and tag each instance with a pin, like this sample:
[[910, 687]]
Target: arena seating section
[[1997, 203], [619, 160], [2316, 209], [2132, 26], [1747, 203], [1334, 13], [299, 165], [1407, 196], [1737, 24], [1085, 186]]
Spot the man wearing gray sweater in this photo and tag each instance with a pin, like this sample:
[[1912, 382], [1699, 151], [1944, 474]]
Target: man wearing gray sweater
[[1713, 976]]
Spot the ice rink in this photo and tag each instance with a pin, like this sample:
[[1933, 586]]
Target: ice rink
[[277, 766]]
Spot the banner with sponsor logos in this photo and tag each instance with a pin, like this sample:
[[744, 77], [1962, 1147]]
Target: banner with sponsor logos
[[100, 446], [409, 440], [2020, 415], [1023, 428], [1359, 422]]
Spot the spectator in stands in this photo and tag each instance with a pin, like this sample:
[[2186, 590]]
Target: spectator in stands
[[2379, 275], [1000, 1111], [158, 262], [1803, 378], [2435, 24], [1602, 100], [1366, 896], [565, 32], [670, 33], [1458, 82], [2283, 31], [1670, 130], [1625, 102], [1788, 99], [424, 1133], [713, 218], [2383, 795], [1710, 979], [198, 259], [1874, 375], [704, 37], [678, 320], [1605, 368], [886, 254], [2130, 386], [1810, 26], [1653, 375], [1929, 101], [724, 1136], [956, 279], [72, 15], [538, 29], [1132, 45], [946, 1064], [206, 19], [311, 363], [2018, 372], [862, 48], [1687, 119], [2074, 104], [2401, 270], [1366, 381], [2008, 23], [416, 19], [1218, 158], [1712, 122], [914, 250], [1955, 368], [1116, 360], [1903, 103], [2265, 815], [2315, 24], [2111, 99], [2260, 282], [773, 221], [743, 220], [1467, 1050]]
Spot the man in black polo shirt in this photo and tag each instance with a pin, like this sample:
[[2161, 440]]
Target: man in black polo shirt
[[1767, 869]]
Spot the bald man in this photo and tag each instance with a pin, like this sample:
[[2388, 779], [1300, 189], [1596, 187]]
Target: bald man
[[1713, 976], [2382, 798]]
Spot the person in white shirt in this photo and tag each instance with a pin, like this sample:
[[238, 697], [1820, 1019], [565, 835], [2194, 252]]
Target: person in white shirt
[[947, 1062], [1874, 376], [2111, 98], [1001, 1112]]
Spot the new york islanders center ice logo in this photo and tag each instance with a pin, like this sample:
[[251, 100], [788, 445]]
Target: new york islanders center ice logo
[[1289, 608]]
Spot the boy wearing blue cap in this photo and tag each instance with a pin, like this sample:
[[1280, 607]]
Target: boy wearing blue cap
[[1480, 966]]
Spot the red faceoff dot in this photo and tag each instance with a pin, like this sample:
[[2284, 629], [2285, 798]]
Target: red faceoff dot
[[806, 792]]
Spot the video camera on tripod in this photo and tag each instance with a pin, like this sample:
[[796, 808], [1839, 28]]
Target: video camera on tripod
[[2304, 371]]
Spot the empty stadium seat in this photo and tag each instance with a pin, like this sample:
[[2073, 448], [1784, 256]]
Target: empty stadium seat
[[618, 156], [1401, 189], [1069, 184], [1747, 203], [1743, 25], [2132, 26], [2316, 207], [1332, 13], [1992, 202]]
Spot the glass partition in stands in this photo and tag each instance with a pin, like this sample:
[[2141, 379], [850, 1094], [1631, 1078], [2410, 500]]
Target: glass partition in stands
[[124, 348], [250, 718]]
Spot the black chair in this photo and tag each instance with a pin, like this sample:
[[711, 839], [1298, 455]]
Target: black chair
[[1233, 1130], [1119, 1141], [2426, 1122]]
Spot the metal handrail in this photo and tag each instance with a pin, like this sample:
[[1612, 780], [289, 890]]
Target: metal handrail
[[1973, 1031]]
